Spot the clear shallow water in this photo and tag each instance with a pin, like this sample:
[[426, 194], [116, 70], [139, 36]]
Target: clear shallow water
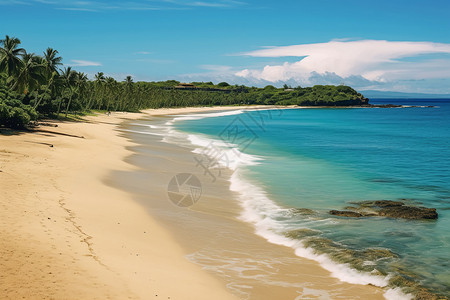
[[323, 159]]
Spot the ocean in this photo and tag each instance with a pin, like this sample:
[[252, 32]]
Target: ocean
[[291, 167]]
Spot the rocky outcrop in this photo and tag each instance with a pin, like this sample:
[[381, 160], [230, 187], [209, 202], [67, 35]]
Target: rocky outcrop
[[302, 211], [409, 212], [301, 233], [381, 203], [386, 208], [346, 213]]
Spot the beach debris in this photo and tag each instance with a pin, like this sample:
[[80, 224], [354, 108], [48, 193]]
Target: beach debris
[[387, 208], [46, 124]]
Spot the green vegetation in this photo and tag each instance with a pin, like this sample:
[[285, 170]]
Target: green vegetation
[[13, 113], [33, 86]]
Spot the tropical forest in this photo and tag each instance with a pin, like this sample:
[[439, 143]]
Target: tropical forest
[[36, 86]]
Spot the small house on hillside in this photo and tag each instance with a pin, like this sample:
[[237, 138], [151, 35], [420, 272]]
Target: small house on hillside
[[182, 85]]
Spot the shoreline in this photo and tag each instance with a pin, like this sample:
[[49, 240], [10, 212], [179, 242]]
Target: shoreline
[[218, 211], [66, 234]]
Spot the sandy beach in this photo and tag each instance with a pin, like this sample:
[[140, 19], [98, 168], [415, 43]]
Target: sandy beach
[[74, 226]]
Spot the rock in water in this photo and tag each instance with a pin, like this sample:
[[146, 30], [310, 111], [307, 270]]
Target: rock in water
[[302, 211], [387, 208], [345, 213], [301, 233], [380, 203], [409, 212]]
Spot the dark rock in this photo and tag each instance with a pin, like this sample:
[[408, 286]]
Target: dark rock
[[47, 124], [387, 208], [320, 244], [385, 105], [301, 233], [345, 213], [409, 212], [388, 203], [381, 203], [375, 254], [302, 211], [351, 208]]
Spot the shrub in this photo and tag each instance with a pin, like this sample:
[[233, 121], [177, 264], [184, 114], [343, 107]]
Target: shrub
[[223, 84], [13, 113]]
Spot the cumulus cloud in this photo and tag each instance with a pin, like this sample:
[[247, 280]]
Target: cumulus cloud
[[369, 62]]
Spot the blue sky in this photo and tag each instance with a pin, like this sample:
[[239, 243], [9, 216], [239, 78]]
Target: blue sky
[[251, 42]]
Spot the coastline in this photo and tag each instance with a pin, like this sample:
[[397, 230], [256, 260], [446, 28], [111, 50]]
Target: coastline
[[66, 233], [212, 231]]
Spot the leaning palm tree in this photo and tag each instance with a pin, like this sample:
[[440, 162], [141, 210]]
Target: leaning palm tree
[[10, 54], [51, 82], [81, 82], [68, 78], [50, 61], [31, 74]]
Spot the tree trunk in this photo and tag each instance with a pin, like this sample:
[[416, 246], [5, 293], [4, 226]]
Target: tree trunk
[[68, 103], [59, 107]]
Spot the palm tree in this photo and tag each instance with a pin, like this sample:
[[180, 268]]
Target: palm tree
[[100, 77], [99, 82], [127, 93], [52, 61], [30, 75], [68, 77], [80, 83], [111, 85], [10, 61], [128, 80], [81, 80], [54, 79]]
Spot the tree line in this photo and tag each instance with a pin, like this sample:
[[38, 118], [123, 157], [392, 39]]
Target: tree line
[[36, 86]]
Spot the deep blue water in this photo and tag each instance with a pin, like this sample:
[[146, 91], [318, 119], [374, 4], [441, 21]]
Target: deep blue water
[[323, 159]]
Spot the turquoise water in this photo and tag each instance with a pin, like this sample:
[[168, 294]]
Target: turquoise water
[[324, 159]]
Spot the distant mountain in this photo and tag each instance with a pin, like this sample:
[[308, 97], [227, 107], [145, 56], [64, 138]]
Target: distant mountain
[[382, 94]]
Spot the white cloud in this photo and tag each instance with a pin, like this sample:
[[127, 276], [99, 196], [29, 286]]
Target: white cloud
[[376, 61], [76, 9], [84, 63], [111, 5]]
